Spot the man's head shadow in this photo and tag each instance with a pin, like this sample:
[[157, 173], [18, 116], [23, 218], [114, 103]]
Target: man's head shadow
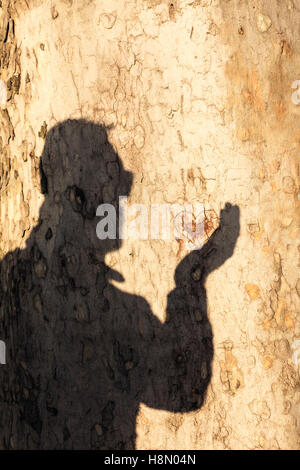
[[80, 170]]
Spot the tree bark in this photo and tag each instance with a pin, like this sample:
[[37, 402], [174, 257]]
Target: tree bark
[[122, 344]]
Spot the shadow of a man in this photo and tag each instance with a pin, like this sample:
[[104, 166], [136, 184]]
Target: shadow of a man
[[81, 354]]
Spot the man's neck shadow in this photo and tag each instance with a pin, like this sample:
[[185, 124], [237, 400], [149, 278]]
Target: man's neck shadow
[[83, 355]]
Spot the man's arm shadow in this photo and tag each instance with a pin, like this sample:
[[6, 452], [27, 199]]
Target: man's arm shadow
[[180, 357]]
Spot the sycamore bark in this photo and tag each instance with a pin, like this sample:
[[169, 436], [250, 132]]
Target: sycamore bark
[[198, 102]]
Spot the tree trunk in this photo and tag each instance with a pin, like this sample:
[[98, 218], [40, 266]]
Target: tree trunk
[[143, 343]]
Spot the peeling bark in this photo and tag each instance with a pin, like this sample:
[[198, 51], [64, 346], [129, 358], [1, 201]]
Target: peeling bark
[[143, 344]]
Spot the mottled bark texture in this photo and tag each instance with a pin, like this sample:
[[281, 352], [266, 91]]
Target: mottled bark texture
[[142, 344]]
